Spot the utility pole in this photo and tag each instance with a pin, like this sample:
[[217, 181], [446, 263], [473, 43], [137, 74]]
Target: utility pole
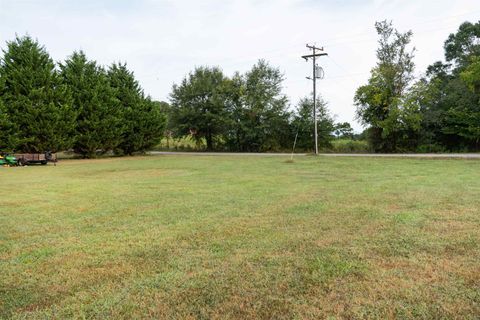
[[317, 73]]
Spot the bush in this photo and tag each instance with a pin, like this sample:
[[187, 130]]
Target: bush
[[349, 146], [180, 144], [431, 148]]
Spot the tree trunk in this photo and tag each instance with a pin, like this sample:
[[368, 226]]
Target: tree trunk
[[209, 139]]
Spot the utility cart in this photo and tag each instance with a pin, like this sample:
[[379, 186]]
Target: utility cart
[[36, 158]]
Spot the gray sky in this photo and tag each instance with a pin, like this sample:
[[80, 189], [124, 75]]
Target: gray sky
[[163, 40]]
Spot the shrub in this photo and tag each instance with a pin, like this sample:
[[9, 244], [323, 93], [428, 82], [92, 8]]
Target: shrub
[[350, 146]]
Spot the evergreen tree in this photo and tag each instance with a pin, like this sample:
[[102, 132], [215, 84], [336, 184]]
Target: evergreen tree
[[35, 101], [153, 117], [99, 125], [143, 119], [8, 131]]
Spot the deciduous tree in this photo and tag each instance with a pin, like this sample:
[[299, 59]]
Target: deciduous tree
[[344, 130], [452, 106], [303, 124], [379, 103], [263, 121], [198, 106]]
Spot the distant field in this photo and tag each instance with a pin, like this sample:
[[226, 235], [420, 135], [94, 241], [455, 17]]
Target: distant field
[[172, 237]]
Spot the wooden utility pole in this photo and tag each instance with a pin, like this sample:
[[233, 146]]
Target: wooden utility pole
[[317, 73]]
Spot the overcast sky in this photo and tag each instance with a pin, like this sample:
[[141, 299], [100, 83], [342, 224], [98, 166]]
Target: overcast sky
[[163, 40]]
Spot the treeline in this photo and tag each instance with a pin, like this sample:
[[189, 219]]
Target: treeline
[[81, 106], [247, 112], [438, 112], [75, 104]]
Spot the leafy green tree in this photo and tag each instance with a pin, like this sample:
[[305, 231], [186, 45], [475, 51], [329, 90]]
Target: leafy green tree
[[459, 108], [466, 124], [245, 113], [35, 101], [344, 130], [451, 104], [303, 124], [409, 118], [380, 103], [471, 74], [262, 119], [461, 46], [236, 126], [99, 124], [143, 120], [198, 106], [462, 116], [445, 101]]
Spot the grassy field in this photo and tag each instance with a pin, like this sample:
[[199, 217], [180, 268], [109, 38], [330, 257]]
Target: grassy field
[[183, 237]]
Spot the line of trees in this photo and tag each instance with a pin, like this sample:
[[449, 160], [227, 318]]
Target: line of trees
[[76, 104], [79, 105], [439, 112], [247, 112]]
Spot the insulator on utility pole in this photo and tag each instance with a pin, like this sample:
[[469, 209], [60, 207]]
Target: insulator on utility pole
[[317, 73]]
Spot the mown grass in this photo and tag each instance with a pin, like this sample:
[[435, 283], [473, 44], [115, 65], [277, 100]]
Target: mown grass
[[173, 237]]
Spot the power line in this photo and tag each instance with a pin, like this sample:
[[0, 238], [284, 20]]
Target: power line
[[329, 42], [334, 41]]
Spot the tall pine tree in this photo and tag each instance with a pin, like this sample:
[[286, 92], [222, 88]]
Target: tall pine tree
[[36, 105], [8, 131], [99, 124], [143, 120]]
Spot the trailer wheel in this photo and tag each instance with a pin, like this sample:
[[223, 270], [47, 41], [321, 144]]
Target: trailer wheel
[[44, 162]]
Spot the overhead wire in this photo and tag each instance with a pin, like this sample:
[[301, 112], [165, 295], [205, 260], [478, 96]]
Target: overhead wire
[[328, 43]]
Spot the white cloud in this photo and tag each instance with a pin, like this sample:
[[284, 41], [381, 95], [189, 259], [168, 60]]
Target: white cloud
[[163, 40]]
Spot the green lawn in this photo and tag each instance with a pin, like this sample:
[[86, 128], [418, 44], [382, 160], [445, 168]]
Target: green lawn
[[174, 237]]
